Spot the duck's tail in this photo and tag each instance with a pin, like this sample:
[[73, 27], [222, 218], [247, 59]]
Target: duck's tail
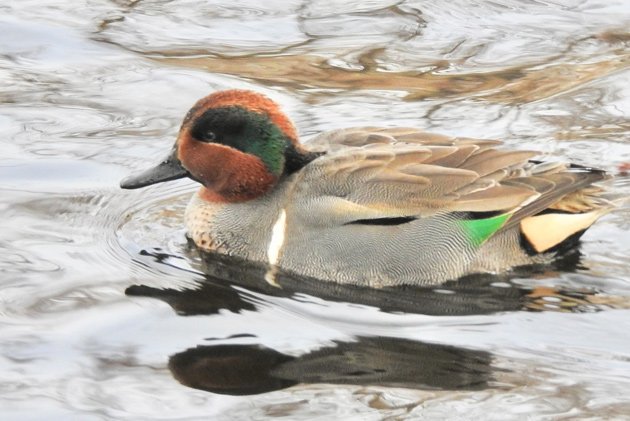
[[555, 230], [562, 224]]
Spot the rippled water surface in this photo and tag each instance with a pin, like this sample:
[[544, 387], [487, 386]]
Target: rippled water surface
[[107, 313]]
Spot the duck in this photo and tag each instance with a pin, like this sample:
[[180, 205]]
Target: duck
[[369, 206]]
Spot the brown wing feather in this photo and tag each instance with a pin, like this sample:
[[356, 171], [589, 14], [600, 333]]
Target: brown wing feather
[[408, 171], [565, 186]]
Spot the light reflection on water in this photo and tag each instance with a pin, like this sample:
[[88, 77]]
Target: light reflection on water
[[91, 91]]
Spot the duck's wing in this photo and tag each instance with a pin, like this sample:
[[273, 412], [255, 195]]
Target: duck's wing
[[361, 136], [389, 176]]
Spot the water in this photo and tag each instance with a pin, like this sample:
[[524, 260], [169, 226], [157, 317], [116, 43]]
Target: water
[[92, 90]]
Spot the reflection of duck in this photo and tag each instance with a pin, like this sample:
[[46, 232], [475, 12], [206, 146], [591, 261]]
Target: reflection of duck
[[390, 362], [370, 206], [379, 361]]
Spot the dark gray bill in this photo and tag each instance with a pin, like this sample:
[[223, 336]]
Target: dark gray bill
[[169, 169]]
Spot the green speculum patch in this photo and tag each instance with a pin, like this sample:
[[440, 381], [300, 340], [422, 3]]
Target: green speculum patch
[[479, 230]]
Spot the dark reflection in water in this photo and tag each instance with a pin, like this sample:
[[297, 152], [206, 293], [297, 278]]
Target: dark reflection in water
[[392, 362], [471, 295], [382, 361]]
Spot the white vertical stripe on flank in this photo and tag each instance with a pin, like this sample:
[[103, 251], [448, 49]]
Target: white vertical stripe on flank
[[275, 245]]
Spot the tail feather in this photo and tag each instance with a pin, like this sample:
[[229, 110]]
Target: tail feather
[[572, 189], [547, 231], [563, 213]]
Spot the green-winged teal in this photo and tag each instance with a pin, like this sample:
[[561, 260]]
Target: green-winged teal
[[370, 206]]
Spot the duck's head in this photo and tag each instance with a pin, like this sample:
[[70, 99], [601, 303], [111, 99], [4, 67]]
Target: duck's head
[[236, 143]]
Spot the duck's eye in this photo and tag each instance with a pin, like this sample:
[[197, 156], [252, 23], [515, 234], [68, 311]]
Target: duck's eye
[[208, 136]]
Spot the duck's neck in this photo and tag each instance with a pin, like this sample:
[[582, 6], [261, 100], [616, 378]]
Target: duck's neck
[[242, 177], [296, 158], [250, 178]]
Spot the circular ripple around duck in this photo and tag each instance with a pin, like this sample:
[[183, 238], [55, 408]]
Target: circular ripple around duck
[[149, 229]]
